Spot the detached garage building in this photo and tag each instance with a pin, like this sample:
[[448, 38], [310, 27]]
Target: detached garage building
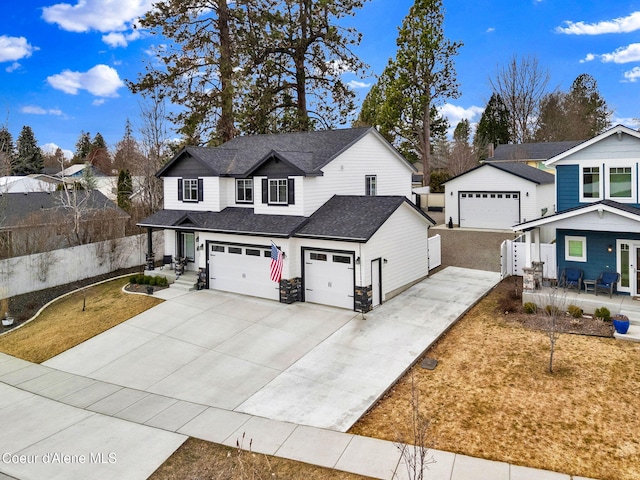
[[498, 196]]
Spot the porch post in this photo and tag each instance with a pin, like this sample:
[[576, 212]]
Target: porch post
[[150, 256], [535, 255], [527, 250]]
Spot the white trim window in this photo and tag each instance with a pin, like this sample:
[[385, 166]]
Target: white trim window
[[620, 184], [190, 189], [244, 190], [575, 249], [590, 184], [278, 188], [370, 185]]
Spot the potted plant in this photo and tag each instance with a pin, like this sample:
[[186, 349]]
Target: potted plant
[[620, 323]]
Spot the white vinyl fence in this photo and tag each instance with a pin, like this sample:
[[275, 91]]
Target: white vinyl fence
[[31, 273], [513, 257], [435, 252]]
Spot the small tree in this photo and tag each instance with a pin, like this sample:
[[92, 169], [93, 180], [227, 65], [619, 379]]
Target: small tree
[[553, 312], [125, 188]]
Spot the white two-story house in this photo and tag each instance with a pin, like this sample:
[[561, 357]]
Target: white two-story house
[[336, 203]]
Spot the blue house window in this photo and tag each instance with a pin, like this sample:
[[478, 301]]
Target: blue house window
[[591, 182], [575, 249]]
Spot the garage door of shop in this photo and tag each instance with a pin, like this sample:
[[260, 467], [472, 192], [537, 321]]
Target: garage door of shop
[[242, 269], [329, 278], [498, 210]]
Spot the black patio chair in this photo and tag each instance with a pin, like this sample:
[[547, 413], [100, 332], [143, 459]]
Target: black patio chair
[[571, 277], [607, 282]]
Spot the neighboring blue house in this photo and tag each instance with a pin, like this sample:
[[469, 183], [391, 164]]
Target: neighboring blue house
[[596, 226]]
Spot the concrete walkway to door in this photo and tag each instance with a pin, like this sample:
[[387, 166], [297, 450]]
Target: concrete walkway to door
[[301, 363]]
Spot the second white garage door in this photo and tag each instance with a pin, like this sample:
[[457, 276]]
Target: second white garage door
[[242, 269], [328, 278], [497, 210]]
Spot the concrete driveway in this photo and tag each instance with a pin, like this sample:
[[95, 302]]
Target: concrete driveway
[[301, 363]]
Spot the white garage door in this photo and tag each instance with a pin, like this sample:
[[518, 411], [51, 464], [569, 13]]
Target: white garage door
[[328, 278], [242, 269], [499, 210]]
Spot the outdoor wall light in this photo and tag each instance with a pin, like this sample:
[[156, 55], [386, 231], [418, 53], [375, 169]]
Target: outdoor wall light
[[385, 261], [358, 261], [610, 248]]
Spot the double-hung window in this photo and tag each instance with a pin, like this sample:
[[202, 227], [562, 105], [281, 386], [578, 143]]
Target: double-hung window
[[370, 185], [278, 191], [620, 182], [190, 189], [244, 190], [591, 183]]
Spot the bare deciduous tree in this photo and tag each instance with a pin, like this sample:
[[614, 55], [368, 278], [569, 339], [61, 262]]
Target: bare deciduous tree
[[521, 84]]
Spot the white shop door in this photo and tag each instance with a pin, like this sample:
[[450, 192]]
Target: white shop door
[[494, 210]]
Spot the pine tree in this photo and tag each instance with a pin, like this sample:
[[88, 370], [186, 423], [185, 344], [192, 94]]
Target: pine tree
[[125, 188], [29, 158], [493, 127], [7, 151]]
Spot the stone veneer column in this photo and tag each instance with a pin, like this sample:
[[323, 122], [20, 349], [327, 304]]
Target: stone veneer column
[[291, 290], [363, 299]]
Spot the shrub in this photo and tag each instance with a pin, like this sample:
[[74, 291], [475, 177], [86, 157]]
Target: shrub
[[603, 313], [553, 310], [575, 311], [530, 307]]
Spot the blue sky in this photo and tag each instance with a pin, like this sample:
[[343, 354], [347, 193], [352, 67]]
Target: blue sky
[[63, 66]]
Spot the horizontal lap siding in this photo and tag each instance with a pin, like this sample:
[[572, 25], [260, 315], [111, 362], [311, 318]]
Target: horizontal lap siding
[[211, 202], [402, 240], [345, 175]]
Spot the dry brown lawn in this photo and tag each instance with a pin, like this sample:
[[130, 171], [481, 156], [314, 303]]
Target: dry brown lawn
[[492, 396], [198, 459], [64, 324]]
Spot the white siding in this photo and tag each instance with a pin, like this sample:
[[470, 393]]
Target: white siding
[[402, 240], [211, 189], [608, 148], [263, 208], [490, 179], [345, 175], [545, 198]]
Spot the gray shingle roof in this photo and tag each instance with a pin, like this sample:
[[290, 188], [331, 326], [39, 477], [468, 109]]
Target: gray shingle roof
[[525, 171], [230, 220], [308, 151], [531, 151], [521, 170], [342, 217], [352, 217], [15, 207]]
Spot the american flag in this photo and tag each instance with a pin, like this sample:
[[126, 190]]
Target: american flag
[[276, 263]]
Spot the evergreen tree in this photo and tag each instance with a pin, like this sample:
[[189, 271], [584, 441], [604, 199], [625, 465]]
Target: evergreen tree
[[125, 188], [421, 76], [493, 127], [99, 155], [30, 158], [83, 148], [7, 151]]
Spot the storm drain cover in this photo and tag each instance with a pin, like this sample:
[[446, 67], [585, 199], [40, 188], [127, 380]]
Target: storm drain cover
[[429, 363]]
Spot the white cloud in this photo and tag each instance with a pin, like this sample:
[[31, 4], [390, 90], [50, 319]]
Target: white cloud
[[100, 15], [13, 67], [456, 113], [51, 148], [490, 30], [630, 53], [101, 81], [627, 24], [15, 48], [36, 110], [632, 75], [358, 84], [97, 102], [590, 57], [116, 39]]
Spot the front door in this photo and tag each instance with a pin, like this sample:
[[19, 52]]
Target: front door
[[628, 265]]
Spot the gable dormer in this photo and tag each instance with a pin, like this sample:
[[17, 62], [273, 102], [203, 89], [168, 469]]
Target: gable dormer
[[605, 167]]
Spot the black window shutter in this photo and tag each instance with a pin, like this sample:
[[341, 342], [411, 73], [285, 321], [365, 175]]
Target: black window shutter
[[180, 190], [291, 190], [265, 190], [200, 190]]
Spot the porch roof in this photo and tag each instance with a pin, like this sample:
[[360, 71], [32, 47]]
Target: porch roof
[[621, 209], [233, 220]]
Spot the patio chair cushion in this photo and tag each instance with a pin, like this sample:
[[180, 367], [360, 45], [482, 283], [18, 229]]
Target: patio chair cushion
[[573, 275], [606, 279]]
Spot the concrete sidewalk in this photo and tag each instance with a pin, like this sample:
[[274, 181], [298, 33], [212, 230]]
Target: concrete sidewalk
[[48, 415]]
